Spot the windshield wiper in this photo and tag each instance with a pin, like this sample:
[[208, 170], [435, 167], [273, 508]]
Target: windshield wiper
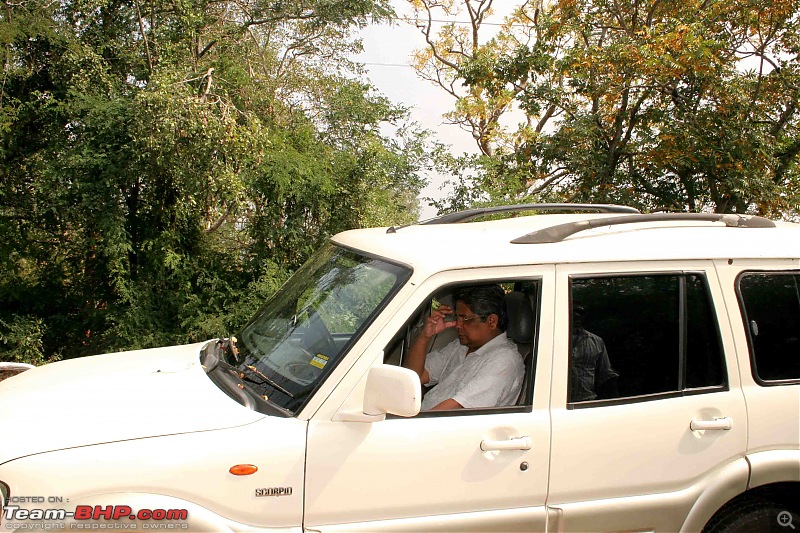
[[268, 380]]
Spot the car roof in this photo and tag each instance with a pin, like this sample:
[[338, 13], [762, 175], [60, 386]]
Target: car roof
[[438, 247]]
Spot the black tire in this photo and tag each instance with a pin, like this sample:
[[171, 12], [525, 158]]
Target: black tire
[[752, 515]]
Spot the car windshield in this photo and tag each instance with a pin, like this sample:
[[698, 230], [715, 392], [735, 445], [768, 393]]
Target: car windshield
[[297, 338]]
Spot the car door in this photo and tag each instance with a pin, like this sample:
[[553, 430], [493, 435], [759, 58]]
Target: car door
[[666, 424], [463, 470]]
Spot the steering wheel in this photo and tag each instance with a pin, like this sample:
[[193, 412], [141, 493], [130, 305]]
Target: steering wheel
[[301, 372], [318, 338]]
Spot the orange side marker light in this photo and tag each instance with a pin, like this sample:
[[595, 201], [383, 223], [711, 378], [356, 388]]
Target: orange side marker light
[[243, 470]]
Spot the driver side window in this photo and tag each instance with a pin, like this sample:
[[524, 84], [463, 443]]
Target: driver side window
[[482, 360]]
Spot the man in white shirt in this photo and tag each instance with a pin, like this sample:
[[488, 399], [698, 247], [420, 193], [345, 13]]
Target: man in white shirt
[[482, 368]]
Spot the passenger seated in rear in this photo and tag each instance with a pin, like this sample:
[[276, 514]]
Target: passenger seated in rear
[[482, 368], [590, 370]]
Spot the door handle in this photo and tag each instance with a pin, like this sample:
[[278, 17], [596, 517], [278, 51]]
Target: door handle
[[519, 443], [723, 423]]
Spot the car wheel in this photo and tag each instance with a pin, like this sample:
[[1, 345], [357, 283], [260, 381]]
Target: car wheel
[[751, 515]]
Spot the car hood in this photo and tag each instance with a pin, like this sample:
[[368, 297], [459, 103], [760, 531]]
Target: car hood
[[112, 397]]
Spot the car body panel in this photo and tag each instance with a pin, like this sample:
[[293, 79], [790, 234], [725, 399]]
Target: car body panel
[[113, 397]]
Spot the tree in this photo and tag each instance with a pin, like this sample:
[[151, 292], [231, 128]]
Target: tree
[[676, 105], [166, 165]]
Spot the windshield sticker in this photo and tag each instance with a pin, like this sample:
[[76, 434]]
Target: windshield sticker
[[319, 361]]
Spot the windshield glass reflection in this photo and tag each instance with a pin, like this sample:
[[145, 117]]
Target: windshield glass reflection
[[305, 328]]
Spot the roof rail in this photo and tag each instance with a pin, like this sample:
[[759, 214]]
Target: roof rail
[[469, 214], [562, 231]]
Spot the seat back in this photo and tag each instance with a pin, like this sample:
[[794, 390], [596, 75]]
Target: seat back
[[520, 329], [520, 321]]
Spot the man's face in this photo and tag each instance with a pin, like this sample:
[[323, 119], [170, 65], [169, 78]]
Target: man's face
[[474, 330]]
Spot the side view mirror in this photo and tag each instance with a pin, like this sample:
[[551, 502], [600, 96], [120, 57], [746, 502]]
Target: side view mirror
[[389, 390], [393, 390]]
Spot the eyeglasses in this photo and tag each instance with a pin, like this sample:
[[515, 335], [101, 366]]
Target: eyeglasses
[[463, 320]]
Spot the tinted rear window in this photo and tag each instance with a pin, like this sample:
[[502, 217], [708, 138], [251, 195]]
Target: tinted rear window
[[770, 303]]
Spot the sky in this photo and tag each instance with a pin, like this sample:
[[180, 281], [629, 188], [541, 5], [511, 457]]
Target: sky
[[387, 57]]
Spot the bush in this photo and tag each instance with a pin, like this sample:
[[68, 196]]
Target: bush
[[21, 341]]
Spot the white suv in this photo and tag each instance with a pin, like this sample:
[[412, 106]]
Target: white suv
[[308, 421]]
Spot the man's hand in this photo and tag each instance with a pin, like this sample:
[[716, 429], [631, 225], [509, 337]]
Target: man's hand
[[436, 324]]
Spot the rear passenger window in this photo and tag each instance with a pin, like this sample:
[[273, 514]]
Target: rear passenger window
[[643, 335], [770, 303]]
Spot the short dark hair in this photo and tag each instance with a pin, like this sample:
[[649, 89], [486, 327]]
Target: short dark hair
[[484, 300]]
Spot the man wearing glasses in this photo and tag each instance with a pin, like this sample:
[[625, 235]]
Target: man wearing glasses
[[482, 368]]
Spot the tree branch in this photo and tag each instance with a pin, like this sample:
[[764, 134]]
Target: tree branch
[[144, 36]]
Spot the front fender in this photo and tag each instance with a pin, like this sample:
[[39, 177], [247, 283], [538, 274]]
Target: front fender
[[186, 471]]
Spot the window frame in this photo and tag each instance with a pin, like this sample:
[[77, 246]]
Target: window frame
[[682, 390], [407, 334], [746, 325]]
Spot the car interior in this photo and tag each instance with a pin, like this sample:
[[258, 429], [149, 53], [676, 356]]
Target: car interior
[[522, 298]]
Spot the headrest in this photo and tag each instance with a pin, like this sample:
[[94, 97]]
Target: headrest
[[520, 318], [446, 299]]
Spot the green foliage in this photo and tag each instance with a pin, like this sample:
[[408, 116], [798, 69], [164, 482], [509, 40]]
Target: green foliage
[[166, 165], [662, 105], [21, 340]]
